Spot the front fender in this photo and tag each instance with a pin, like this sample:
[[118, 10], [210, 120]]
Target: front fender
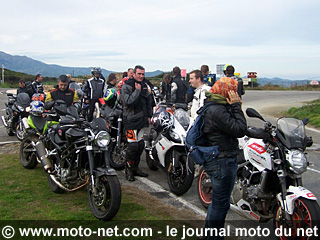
[[293, 193], [99, 172]]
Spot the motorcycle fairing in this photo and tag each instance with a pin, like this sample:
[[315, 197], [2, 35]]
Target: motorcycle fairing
[[293, 193]]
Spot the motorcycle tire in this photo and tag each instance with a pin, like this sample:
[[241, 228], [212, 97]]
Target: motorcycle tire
[[204, 189], [306, 215], [20, 133], [106, 203], [53, 186], [150, 163], [28, 155], [117, 156], [181, 180]]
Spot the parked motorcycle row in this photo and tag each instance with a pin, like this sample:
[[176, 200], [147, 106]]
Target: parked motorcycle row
[[77, 153]]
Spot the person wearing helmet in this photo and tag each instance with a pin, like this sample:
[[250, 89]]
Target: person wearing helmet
[[228, 71], [37, 84], [63, 92], [137, 111], [93, 90]]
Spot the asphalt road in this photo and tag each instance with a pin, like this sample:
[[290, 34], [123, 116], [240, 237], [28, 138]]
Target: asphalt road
[[267, 103]]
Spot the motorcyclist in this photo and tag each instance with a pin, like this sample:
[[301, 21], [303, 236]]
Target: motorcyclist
[[93, 90], [179, 87], [37, 84], [63, 92], [25, 87], [110, 95], [137, 111], [166, 88]]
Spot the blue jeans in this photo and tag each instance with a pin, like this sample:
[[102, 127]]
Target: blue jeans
[[222, 172]]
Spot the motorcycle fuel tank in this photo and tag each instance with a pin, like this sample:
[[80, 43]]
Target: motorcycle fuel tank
[[255, 151]]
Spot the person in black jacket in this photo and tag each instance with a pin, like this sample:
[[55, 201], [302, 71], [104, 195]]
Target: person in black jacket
[[37, 84], [63, 92], [93, 90], [25, 87], [137, 112], [224, 122], [179, 87], [229, 72]]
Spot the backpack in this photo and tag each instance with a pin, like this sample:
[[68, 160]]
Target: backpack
[[195, 140]]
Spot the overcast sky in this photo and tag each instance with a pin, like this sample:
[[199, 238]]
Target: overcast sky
[[275, 38]]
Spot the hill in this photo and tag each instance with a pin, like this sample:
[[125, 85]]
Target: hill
[[30, 66], [281, 82]]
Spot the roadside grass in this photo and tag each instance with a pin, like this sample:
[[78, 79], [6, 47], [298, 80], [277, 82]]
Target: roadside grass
[[25, 195], [311, 110]]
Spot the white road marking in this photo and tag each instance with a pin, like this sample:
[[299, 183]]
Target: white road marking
[[313, 170], [3, 143], [185, 203]]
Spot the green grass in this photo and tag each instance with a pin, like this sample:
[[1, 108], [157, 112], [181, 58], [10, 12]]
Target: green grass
[[311, 110], [25, 196]]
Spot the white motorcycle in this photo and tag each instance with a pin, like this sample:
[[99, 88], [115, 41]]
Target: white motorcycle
[[165, 148], [269, 182]]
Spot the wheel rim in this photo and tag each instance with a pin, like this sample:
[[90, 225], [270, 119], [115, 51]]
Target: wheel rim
[[205, 195], [301, 218], [118, 154], [20, 133], [177, 178], [101, 201]]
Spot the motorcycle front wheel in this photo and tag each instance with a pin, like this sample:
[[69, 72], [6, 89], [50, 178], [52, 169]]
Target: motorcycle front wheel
[[118, 155], [104, 200], [306, 215], [204, 188], [28, 155], [180, 179], [20, 131]]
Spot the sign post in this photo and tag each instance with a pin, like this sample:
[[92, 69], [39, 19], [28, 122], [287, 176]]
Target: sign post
[[253, 77]]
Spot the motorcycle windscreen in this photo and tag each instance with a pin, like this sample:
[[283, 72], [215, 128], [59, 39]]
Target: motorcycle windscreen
[[291, 132], [23, 100]]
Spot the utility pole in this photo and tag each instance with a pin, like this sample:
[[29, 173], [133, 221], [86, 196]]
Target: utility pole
[[2, 78]]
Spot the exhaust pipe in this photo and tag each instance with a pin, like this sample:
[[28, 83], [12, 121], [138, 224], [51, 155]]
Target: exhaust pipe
[[42, 155], [4, 121], [53, 178]]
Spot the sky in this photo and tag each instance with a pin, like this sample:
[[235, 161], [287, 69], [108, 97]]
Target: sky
[[275, 38]]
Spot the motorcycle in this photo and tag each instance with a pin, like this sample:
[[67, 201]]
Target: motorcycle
[[15, 112], [118, 145], [165, 148], [269, 177], [74, 153], [36, 125]]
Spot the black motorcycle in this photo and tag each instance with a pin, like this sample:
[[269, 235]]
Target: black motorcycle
[[118, 145], [75, 153], [16, 113]]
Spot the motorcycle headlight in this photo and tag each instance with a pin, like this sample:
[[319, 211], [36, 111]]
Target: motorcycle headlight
[[102, 139], [175, 137], [298, 161]]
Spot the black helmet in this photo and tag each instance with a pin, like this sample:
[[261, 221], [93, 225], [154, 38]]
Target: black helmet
[[162, 120], [96, 70]]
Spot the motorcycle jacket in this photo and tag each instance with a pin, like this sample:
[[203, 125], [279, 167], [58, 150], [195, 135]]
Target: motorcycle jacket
[[136, 105], [223, 124], [93, 88], [27, 89], [166, 91], [69, 96], [37, 87], [178, 90]]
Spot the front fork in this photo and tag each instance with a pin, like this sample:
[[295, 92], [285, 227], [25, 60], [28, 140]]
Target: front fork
[[282, 178]]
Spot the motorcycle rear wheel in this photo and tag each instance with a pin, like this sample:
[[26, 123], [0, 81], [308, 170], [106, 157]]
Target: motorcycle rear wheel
[[204, 191], [105, 203], [306, 215], [118, 155], [181, 179], [28, 155]]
